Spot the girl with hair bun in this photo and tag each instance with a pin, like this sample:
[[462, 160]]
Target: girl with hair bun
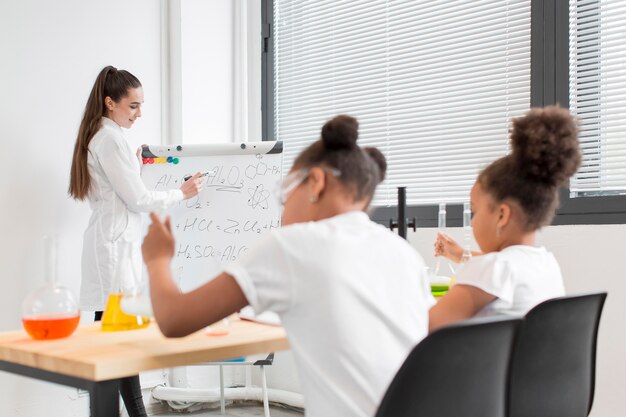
[[511, 200], [351, 295]]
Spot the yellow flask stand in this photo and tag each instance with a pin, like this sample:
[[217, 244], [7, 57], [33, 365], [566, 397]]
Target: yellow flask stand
[[114, 319]]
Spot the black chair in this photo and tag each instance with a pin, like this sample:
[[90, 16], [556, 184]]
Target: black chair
[[460, 370], [553, 363]]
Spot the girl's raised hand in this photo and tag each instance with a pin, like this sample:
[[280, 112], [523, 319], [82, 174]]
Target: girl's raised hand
[[192, 186], [448, 248], [159, 242]]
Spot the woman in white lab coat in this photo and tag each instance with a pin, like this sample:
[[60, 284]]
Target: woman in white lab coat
[[106, 172]]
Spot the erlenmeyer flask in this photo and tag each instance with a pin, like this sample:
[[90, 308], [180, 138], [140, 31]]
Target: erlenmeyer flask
[[124, 282], [50, 312], [137, 301]]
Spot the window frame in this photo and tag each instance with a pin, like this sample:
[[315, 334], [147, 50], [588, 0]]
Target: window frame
[[549, 84]]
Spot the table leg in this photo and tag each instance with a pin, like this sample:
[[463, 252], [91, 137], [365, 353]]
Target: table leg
[[104, 400]]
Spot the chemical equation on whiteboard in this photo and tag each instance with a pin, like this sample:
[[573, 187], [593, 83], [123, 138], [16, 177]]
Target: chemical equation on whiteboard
[[226, 254], [218, 179], [227, 226], [222, 178]]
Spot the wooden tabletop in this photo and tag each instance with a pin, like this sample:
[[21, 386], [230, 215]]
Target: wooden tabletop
[[95, 355]]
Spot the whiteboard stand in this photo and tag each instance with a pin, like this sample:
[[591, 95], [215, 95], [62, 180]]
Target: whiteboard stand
[[236, 208], [261, 363]]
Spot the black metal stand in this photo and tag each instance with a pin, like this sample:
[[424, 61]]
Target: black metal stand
[[402, 222], [103, 395]]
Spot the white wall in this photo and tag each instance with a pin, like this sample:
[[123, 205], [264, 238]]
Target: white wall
[[207, 70], [51, 54], [220, 67], [591, 260]]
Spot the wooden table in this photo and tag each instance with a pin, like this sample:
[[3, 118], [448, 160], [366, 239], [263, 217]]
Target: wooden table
[[94, 360]]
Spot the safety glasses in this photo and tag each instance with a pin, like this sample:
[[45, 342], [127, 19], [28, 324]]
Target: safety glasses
[[294, 179]]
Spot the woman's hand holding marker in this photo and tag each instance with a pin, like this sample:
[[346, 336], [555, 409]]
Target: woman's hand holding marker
[[138, 153], [192, 186]]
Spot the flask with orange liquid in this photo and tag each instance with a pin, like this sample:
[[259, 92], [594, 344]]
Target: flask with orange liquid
[[125, 284], [50, 312]]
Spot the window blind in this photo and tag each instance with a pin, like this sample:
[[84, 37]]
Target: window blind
[[433, 84], [598, 94]]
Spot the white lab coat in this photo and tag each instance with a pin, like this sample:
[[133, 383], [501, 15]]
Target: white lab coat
[[117, 197]]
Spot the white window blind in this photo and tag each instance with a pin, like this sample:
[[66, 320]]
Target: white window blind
[[598, 94], [434, 84]]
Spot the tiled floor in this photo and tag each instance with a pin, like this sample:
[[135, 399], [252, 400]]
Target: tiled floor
[[239, 410]]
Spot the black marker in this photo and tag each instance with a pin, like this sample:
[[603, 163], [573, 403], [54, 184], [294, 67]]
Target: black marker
[[186, 177]]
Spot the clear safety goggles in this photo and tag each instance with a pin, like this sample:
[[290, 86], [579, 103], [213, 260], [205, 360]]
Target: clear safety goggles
[[294, 179]]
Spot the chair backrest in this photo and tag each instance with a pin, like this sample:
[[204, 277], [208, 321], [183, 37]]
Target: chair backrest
[[553, 364], [460, 370]]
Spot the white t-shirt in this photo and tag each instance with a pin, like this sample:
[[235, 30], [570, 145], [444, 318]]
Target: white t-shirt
[[354, 300], [520, 276]]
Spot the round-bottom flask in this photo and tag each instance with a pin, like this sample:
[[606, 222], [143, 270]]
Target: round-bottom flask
[[51, 311]]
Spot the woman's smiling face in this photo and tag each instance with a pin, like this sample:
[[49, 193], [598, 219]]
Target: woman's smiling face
[[127, 110]]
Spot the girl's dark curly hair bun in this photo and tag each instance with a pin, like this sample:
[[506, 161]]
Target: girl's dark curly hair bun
[[545, 154], [340, 132], [545, 145]]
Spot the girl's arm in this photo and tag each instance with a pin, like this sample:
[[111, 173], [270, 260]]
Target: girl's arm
[[181, 314], [460, 303]]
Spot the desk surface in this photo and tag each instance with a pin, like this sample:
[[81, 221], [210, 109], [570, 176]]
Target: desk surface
[[96, 355]]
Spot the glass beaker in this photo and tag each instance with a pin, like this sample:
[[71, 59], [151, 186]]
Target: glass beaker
[[50, 312], [125, 283], [137, 302]]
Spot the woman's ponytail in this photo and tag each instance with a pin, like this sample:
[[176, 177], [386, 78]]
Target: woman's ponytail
[[109, 83]]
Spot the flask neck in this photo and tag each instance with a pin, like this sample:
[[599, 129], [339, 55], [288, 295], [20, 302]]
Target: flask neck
[[50, 260], [125, 277]]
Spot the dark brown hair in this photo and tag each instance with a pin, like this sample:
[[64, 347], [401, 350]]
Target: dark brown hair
[[113, 83], [362, 169], [545, 154]]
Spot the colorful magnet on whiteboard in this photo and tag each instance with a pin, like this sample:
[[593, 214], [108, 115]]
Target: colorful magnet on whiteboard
[[169, 159], [151, 160], [145, 160], [174, 161]]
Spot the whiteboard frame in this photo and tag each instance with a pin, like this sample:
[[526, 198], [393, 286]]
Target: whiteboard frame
[[243, 148]]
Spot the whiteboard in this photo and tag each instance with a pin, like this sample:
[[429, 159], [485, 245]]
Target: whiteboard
[[236, 207]]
